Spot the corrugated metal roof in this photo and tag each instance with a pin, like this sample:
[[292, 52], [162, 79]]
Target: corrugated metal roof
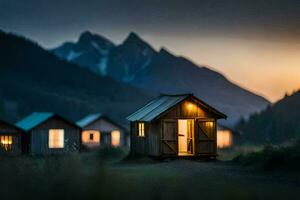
[[164, 102], [88, 119], [33, 120], [156, 107]]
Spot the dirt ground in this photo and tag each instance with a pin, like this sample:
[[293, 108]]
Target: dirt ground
[[185, 179], [102, 176]]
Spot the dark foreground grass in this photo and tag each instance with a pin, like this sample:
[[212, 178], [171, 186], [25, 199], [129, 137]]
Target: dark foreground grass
[[272, 158], [103, 175]]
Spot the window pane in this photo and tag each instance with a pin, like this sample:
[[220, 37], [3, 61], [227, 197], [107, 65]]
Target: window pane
[[56, 138], [90, 136], [115, 138], [6, 142], [224, 138], [141, 132]]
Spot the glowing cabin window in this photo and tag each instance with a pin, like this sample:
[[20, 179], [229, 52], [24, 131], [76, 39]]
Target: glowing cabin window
[[141, 132], [6, 142], [56, 138], [224, 139], [115, 138], [209, 129], [90, 137]]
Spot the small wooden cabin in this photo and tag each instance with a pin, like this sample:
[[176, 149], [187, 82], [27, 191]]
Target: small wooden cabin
[[10, 139], [224, 137], [175, 125], [49, 134], [100, 130]]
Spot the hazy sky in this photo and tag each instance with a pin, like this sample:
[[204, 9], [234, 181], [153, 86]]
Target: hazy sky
[[254, 43]]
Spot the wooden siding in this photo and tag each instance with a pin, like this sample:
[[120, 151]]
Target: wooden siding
[[16, 148], [169, 137], [39, 138], [188, 109], [132, 138], [7, 130], [161, 137], [141, 142], [206, 137], [138, 144], [154, 138]]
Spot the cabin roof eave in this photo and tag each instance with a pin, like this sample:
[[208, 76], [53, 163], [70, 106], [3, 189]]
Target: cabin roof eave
[[34, 120], [159, 106]]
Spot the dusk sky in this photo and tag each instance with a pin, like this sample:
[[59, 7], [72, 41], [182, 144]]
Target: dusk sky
[[254, 43]]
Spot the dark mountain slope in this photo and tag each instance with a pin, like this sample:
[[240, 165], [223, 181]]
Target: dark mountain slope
[[137, 63], [278, 123], [33, 79], [90, 51], [128, 59]]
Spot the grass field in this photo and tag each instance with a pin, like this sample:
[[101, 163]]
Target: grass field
[[105, 175]]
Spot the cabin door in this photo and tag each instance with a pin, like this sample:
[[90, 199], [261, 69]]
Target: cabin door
[[169, 137], [206, 137], [185, 137]]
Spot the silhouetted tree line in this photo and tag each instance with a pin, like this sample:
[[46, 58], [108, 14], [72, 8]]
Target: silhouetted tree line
[[278, 123]]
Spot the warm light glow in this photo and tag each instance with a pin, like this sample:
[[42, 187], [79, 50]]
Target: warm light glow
[[141, 129], [185, 136], [56, 138], [245, 60], [90, 137], [189, 106], [6, 139], [210, 124], [224, 139], [182, 136], [115, 138], [6, 142]]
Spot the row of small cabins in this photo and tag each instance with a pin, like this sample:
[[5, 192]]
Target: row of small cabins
[[168, 126], [49, 133]]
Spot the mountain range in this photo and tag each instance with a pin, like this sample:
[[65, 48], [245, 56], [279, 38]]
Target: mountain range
[[137, 63], [33, 79]]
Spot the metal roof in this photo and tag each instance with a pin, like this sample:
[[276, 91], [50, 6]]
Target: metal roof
[[13, 126], [93, 117], [161, 104], [33, 120], [156, 107], [88, 119]]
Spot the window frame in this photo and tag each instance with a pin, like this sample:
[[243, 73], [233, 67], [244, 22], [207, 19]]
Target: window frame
[[91, 136], [141, 129], [9, 146], [55, 146], [112, 138]]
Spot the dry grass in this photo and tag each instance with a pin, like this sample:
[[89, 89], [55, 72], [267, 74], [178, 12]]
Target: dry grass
[[102, 175], [230, 153]]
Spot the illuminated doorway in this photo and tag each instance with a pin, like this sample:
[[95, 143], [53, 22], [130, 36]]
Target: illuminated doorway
[[185, 137]]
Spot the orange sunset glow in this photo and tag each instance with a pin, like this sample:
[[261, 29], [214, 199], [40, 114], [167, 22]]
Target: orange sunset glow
[[269, 68]]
